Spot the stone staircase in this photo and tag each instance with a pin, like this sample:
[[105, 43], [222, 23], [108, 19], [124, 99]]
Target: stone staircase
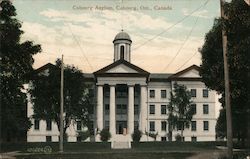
[[121, 145]]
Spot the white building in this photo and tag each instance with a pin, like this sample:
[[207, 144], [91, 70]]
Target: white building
[[129, 98]]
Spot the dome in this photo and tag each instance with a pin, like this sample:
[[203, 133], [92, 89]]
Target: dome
[[122, 36]]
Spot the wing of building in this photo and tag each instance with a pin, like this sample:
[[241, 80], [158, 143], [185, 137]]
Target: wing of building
[[128, 98]]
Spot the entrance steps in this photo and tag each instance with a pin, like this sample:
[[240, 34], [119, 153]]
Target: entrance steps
[[121, 145], [120, 141]]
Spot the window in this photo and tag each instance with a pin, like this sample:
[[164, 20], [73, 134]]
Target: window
[[205, 93], [36, 124], [163, 109], [163, 139], [106, 109], [193, 92], [151, 126], [48, 139], [121, 94], [122, 52], [48, 124], [136, 125], [163, 126], [152, 93], [121, 109], [107, 125], [124, 109], [193, 125], [136, 109], [152, 109], [106, 92], [193, 138], [78, 125], [163, 94], [205, 109], [137, 93], [205, 125], [193, 107]]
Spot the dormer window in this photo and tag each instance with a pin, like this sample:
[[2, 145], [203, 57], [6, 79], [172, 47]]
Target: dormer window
[[122, 52]]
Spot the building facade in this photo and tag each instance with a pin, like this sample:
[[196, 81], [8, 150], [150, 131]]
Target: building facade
[[128, 98]]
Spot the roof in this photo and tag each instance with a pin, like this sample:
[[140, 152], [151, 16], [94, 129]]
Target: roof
[[44, 67], [122, 36], [153, 77], [159, 77], [103, 71], [177, 75]]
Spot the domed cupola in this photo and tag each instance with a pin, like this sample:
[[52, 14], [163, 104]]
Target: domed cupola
[[122, 46]]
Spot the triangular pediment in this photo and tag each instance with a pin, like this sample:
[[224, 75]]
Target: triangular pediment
[[190, 72], [121, 68]]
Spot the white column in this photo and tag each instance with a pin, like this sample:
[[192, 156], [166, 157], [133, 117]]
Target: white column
[[143, 113], [130, 109], [99, 113], [112, 120]]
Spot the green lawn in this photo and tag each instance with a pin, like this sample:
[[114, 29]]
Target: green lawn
[[102, 150], [102, 147], [111, 155]]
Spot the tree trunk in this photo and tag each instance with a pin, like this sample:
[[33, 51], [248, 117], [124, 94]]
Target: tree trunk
[[248, 129], [182, 128], [170, 135], [181, 135], [64, 128]]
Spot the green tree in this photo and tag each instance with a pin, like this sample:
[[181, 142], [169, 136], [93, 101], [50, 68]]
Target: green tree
[[237, 27], [15, 62], [180, 109], [45, 96]]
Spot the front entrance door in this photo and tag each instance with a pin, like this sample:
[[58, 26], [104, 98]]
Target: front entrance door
[[121, 127]]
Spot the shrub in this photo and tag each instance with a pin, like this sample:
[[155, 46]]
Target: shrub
[[153, 135], [178, 137], [136, 136], [84, 135], [105, 135]]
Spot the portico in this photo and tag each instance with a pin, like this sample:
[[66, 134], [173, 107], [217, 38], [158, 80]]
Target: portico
[[121, 107], [116, 111]]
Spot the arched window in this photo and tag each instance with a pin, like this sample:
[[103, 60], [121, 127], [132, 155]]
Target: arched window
[[122, 52]]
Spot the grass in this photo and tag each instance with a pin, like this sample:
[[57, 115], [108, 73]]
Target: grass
[[105, 146], [176, 146], [68, 147], [111, 155], [102, 150]]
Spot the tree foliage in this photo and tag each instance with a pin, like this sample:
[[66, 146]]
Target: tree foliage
[[105, 135], [180, 110], [16, 62], [136, 136], [45, 96], [237, 27]]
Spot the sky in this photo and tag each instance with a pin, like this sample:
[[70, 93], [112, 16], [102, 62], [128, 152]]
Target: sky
[[166, 34]]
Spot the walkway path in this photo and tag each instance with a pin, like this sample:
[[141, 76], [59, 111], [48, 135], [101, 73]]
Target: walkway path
[[8, 155]]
